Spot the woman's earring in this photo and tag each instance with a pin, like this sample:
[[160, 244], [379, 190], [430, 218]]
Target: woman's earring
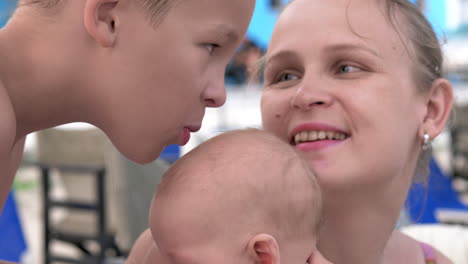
[[426, 142]]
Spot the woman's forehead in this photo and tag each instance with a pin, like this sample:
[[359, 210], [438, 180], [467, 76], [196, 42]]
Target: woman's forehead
[[316, 23]]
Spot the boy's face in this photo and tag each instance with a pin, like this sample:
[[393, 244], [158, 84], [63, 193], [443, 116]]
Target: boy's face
[[159, 80]]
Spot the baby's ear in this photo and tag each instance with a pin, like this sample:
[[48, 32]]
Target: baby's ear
[[101, 21], [316, 257], [263, 249]]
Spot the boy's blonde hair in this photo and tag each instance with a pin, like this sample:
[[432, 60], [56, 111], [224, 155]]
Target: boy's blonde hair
[[154, 10]]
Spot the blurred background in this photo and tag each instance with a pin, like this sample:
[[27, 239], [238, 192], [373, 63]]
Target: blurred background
[[75, 199]]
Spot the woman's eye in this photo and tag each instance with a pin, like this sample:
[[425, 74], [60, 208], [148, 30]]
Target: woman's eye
[[348, 69], [211, 47], [287, 77]]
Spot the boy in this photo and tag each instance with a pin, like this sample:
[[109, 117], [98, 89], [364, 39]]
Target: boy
[[241, 197], [143, 71]]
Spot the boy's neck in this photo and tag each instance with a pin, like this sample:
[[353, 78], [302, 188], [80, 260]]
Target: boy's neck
[[32, 73]]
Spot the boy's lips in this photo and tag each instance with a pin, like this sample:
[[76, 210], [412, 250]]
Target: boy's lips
[[185, 133], [185, 136]]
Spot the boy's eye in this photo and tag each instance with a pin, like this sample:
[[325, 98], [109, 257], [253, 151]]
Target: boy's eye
[[348, 69], [211, 47], [287, 77]]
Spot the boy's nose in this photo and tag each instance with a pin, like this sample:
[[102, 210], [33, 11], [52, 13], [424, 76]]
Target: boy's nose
[[214, 94]]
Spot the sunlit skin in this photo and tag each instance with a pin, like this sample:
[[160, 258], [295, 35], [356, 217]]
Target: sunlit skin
[[223, 202], [102, 62], [341, 68]]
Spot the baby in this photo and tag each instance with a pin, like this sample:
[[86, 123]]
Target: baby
[[241, 197]]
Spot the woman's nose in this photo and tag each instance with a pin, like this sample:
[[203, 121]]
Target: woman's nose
[[309, 96]]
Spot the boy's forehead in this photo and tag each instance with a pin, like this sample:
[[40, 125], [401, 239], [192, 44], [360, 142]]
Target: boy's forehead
[[223, 31]]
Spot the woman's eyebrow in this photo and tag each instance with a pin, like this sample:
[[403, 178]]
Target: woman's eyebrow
[[281, 55], [348, 47]]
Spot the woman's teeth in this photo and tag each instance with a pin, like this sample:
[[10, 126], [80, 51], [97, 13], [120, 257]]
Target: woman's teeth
[[309, 136]]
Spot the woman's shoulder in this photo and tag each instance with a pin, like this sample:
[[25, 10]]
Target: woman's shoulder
[[434, 256], [402, 248]]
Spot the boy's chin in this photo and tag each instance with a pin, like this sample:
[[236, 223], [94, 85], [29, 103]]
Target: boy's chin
[[143, 154]]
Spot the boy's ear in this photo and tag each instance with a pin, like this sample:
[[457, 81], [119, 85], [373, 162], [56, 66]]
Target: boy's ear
[[263, 249], [101, 21], [438, 108]]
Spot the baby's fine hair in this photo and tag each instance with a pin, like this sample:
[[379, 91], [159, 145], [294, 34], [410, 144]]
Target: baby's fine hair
[[267, 180], [154, 10]]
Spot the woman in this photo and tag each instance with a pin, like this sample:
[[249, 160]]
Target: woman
[[356, 86]]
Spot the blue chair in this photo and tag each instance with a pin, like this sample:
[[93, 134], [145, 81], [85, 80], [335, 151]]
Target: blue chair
[[12, 241], [424, 201]]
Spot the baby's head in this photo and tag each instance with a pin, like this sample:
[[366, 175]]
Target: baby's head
[[241, 197]]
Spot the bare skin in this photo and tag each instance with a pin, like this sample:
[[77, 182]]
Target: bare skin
[[102, 62], [144, 250], [209, 209], [404, 249], [6, 262], [11, 154], [340, 69]]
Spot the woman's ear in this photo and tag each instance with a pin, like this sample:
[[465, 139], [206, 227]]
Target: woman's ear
[[439, 107], [101, 22], [263, 249]]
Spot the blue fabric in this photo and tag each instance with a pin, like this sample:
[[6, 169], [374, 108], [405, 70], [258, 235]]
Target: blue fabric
[[171, 153], [6, 7], [12, 241], [423, 200]]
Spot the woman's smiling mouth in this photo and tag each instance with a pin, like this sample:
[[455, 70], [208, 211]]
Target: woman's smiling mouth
[[316, 135]]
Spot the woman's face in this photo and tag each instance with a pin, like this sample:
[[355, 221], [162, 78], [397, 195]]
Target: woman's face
[[339, 86]]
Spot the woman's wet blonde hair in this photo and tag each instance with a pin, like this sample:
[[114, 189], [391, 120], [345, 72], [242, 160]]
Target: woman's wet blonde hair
[[421, 41], [424, 48]]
